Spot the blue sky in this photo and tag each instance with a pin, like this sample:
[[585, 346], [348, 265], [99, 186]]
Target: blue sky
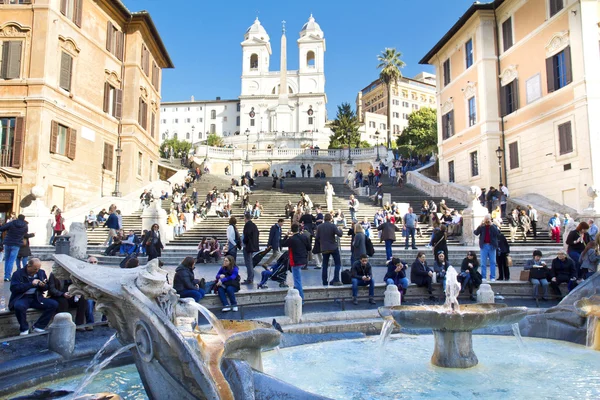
[[203, 39]]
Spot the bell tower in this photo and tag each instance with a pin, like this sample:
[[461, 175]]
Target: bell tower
[[256, 50]]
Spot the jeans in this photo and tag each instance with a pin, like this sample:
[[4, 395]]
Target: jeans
[[403, 282], [89, 311], [230, 291], [249, 265], [359, 282], [256, 214], [127, 248], [536, 286], [467, 283], [48, 308], [488, 252], [22, 262], [388, 248], [298, 279], [338, 266], [353, 216], [10, 255], [197, 295], [574, 255], [410, 231]]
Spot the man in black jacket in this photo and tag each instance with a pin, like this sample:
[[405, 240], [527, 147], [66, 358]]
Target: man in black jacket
[[15, 231], [299, 246], [327, 234], [362, 275], [27, 287], [379, 195], [274, 243], [185, 283], [250, 240]]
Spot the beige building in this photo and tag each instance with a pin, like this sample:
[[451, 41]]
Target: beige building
[[408, 95], [521, 75], [77, 77]]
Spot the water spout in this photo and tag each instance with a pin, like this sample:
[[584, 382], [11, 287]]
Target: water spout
[[100, 353], [452, 290], [386, 331], [592, 328], [212, 320], [517, 332]]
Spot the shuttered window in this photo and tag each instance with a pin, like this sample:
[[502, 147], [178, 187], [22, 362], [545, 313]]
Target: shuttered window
[[114, 40], [63, 140], [448, 124], [507, 34], [113, 99], [474, 164], [565, 138], [145, 60], [558, 70], [555, 7], [107, 162], [66, 71], [152, 124], [446, 68], [143, 114], [12, 137], [509, 98], [513, 155], [155, 75], [10, 63], [72, 9]]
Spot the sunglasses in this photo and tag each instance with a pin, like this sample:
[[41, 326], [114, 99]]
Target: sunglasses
[[93, 262]]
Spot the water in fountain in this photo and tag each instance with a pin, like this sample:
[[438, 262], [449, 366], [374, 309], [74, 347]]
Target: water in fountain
[[212, 319], [517, 333], [591, 330], [100, 353], [386, 331], [452, 290], [86, 381]]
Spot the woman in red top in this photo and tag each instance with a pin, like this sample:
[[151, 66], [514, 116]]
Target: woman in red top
[[59, 225]]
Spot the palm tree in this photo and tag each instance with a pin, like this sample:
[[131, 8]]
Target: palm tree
[[389, 66]]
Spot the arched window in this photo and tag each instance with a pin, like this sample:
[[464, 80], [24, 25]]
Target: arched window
[[213, 128], [187, 136], [254, 61], [276, 90], [199, 135], [310, 59], [175, 135], [213, 114]]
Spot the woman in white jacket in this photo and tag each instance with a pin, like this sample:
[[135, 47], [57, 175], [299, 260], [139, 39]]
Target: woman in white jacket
[[329, 193]]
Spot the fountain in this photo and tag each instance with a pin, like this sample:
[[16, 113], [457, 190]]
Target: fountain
[[174, 357], [453, 324], [589, 308]]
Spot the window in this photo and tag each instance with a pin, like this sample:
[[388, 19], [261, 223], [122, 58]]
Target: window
[[254, 61], [188, 120], [565, 138], [555, 7], [396, 129], [10, 59], [238, 107], [199, 135], [66, 71], [252, 122], [213, 128], [107, 162], [113, 101], [187, 135], [558, 70], [396, 115], [139, 165], [115, 40], [446, 68], [145, 60], [237, 121], [507, 34], [12, 131], [405, 104], [17, 1], [63, 140], [451, 171], [213, 114], [415, 106], [176, 121], [156, 76], [509, 98], [381, 126], [163, 121], [224, 119], [199, 119], [448, 125], [72, 9], [513, 155], [474, 164], [372, 124], [152, 124], [310, 59], [405, 116], [143, 114], [310, 120], [469, 53], [472, 112], [150, 170]]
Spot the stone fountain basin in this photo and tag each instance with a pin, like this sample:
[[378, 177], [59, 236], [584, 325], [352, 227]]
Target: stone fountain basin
[[467, 318]]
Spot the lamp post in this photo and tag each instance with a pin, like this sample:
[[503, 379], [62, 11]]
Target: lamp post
[[349, 162], [499, 153], [247, 145], [118, 150], [377, 141]]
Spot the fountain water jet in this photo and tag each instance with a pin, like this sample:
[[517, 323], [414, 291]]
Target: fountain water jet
[[453, 324], [589, 308]]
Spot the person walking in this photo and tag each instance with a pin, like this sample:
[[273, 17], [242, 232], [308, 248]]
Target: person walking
[[533, 218], [234, 241], [326, 235], [59, 225], [488, 243], [112, 223], [250, 238], [298, 247], [410, 226], [15, 232], [329, 193], [353, 207], [274, 243], [379, 195], [359, 244], [153, 243], [388, 235], [554, 226]]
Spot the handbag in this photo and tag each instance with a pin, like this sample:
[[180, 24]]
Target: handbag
[[509, 261], [524, 276], [317, 247]]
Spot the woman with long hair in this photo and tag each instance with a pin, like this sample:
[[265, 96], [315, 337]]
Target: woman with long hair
[[439, 241], [153, 243], [421, 274], [228, 282], [469, 276], [59, 225], [359, 244], [590, 257], [576, 241], [185, 283]]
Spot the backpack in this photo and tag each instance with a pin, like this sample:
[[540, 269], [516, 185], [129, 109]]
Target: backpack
[[238, 239], [369, 247], [346, 277]]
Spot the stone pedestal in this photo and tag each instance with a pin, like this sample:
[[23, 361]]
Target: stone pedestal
[[454, 349], [156, 215], [485, 294], [293, 305], [38, 216], [78, 240], [472, 218], [61, 338], [391, 296]]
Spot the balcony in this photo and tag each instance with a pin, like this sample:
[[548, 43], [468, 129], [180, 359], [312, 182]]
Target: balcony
[[6, 156]]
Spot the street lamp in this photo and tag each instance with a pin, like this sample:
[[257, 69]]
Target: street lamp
[[499, 153], [377, 141], [349, 162], [247, 145]]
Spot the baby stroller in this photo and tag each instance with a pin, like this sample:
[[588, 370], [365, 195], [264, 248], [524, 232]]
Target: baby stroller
[[277, 272]]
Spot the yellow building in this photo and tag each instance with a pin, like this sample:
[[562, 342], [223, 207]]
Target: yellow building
[[76, 78], [408, 95], [521, 75]]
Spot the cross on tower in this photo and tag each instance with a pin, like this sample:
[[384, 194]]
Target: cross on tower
[[283, 23]]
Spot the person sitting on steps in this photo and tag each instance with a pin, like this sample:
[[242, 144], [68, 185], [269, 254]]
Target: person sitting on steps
[[362, 275], [421, 274]]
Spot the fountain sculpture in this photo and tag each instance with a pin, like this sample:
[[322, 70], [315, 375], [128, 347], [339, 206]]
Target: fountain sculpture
[[589, 308], [452, 324], [176, 359]]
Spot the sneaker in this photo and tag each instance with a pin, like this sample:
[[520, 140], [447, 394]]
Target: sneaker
[[24, 333], [234, 308], [493, 280], [6, 280], [336, 283], [38, 330], [372, 300], [283, 285], [428, 246], [247, 282], [484, 280], [354, 301], [226, 309], [472, 298], [317, 267]]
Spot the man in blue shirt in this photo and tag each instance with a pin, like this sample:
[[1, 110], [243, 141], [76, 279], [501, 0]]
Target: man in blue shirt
[[112, 223]]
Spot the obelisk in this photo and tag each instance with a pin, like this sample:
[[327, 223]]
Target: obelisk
[[284, 113]]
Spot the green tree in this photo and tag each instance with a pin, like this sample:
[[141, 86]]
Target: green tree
[[345, 121], [420, 136], [389, 66], [215, 140], [178, 146]]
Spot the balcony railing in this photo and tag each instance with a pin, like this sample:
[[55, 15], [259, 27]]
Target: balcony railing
[[6, 156], [286, 153]]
